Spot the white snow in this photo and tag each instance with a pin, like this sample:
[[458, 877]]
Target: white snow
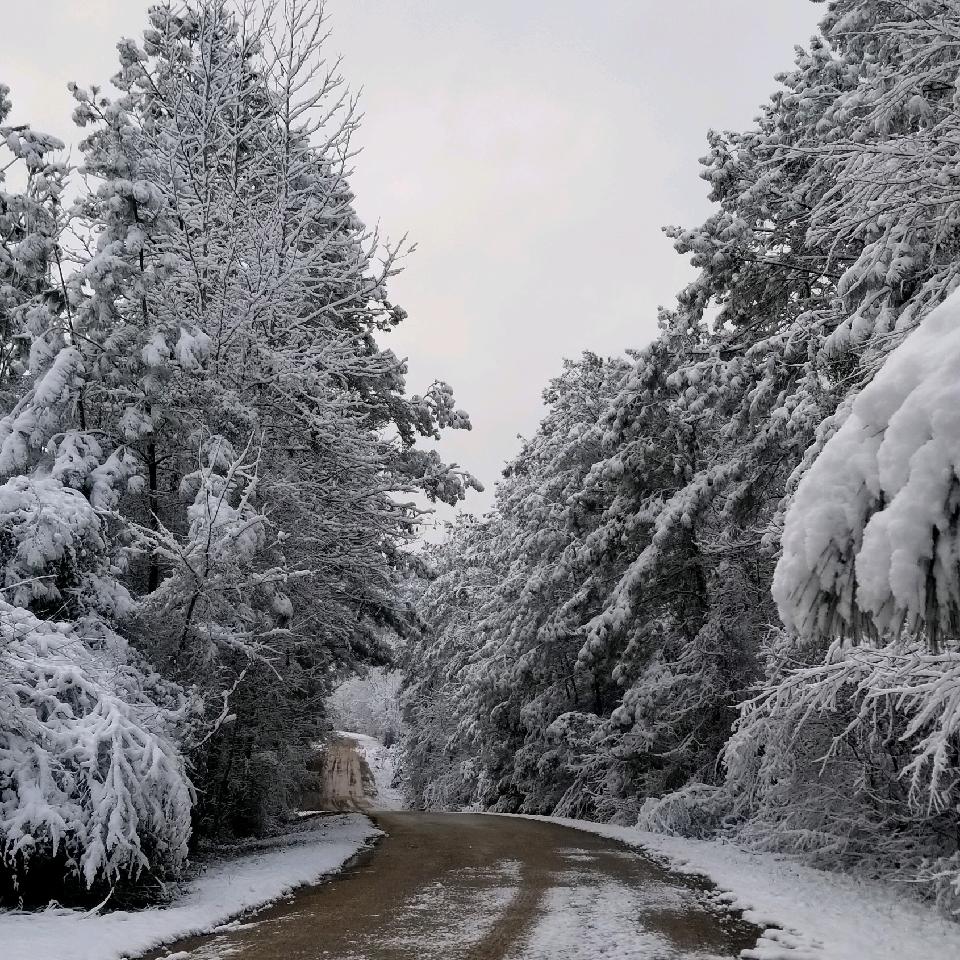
[[872, 519], [222, 891], [806, 914], [381, 761], [468, 905], [586, 916], [582, 923]]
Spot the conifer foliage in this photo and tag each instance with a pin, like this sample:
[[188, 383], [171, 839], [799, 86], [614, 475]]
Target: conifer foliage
[[204, 450], [613, 641]]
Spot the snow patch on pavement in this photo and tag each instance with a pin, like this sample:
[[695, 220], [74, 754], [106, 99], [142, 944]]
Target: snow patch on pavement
[[221, 891], [449, 918], [584, 922], [806, 914]]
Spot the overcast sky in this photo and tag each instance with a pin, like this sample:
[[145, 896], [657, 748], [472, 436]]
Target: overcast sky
[[532, 148]]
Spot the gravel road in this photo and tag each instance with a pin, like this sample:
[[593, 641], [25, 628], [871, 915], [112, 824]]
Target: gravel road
[[474, 887]]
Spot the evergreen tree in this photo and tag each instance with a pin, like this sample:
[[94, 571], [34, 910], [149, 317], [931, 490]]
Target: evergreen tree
[[235, 303], [93, 789], [206, 453]]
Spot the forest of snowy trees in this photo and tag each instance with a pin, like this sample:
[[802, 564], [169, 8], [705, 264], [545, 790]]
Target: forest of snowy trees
[[719, 591], [208, 462]]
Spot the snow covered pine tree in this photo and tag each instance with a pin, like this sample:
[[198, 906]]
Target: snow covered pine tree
[[207, 450], [93, 789]]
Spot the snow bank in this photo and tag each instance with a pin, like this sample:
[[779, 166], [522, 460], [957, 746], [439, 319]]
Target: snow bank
[[221, 891], [806, 914]]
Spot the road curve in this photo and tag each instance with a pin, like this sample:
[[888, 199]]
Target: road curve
[[474, 887]]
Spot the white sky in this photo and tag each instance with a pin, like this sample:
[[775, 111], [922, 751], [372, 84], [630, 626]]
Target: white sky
[[532, 148]]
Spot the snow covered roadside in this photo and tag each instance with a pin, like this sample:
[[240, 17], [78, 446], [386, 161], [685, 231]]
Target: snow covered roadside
[[221, 891], [380, 760], [806, 914]]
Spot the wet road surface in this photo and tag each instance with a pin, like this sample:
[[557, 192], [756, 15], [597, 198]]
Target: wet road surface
[[473, 887]]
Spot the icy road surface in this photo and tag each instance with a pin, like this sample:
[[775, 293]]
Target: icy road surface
[[470, 887]]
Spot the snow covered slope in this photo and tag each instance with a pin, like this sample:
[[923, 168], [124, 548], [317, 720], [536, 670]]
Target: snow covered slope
[[381, 761]]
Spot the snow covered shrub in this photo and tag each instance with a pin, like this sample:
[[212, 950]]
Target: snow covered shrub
[[695, 810], [92, 783], [855, 761], [90, 775]]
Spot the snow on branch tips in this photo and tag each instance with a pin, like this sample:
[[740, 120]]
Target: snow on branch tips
[[91, 773], [871, 542]]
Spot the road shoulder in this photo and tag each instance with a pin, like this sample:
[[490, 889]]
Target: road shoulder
[[806, 914], [219, 891]]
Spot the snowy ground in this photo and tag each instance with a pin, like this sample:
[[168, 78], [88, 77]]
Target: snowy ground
[[221, 891], [807, 914], [381, 761]]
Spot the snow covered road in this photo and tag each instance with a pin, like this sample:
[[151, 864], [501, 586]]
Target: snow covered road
[[469, 887]]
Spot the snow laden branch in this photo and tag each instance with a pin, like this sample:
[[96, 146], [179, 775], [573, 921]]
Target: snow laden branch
[[871, 542], [92, 775], [881, 726], [220, 571]]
